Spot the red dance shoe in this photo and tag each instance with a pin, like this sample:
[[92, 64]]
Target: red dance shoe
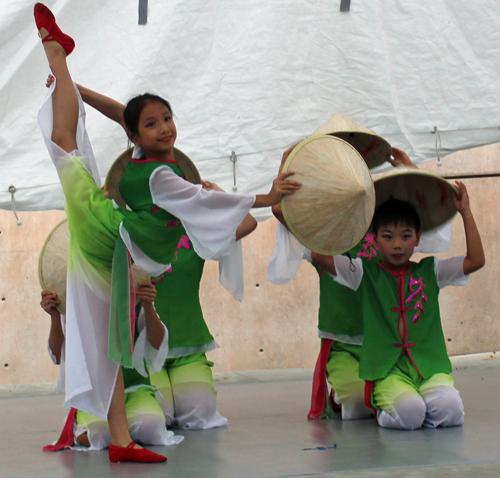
[[129, 453], [44, 18]]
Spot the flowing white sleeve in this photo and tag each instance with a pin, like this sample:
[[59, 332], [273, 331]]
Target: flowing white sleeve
[[143, 350], [450, 271], [349, 273], [209, 217], [287, 257]]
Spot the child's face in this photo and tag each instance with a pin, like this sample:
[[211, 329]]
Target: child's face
[[396, 244], [156, 131]]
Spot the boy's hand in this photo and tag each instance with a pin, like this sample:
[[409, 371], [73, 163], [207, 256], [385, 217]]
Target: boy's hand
[[461, 200], [146, 293], [400, 158], [49, 303], [209, 186]]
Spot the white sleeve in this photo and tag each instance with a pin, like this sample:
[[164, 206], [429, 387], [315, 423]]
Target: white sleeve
[[450, 271], [143, 350], [231, 271], [209, 217], [287, 257], [349, 272]]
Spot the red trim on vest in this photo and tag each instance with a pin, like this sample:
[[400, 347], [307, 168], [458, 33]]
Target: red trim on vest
[[67, 437], [402, 311], [319, 387], [155, 209]]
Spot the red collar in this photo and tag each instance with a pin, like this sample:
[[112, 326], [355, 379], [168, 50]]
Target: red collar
[[396, 273]]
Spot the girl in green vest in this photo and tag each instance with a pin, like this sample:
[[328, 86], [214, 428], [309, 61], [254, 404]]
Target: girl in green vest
[[103, 239], [404, 359]]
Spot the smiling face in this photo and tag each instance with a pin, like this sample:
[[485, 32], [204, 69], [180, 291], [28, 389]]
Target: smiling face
[[156, 132], [396, 243]]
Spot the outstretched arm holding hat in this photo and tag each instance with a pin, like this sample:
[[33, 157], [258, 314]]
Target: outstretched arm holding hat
[[474, 258]]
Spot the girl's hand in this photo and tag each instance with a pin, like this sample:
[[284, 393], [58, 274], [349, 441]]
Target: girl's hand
[[285, 156], [50, 79], [282, 187], [461, 200], [209, 186], [49, 302], [146, 293]]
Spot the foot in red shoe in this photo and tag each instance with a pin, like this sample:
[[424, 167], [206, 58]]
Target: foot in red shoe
[[129, 453], [45, 19]]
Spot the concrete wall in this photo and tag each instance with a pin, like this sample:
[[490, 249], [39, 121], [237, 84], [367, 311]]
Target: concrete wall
[[275, 326]]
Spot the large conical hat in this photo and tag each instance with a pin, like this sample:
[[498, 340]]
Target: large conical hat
[[431, 194], [334, 207], [373, 148], [53, 264], [115, 173]]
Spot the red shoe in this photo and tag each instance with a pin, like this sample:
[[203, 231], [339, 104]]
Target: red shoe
[[44, 18], [129, 453]]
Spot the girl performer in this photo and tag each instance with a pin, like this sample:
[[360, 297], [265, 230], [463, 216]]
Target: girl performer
[[98, 262]]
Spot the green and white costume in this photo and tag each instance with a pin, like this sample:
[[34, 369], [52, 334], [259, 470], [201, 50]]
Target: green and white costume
[[399, 369], [98, 231]]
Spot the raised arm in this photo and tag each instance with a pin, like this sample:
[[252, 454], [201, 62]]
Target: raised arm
[[105, 105], [49, 303], [326, 262], [474, 258]]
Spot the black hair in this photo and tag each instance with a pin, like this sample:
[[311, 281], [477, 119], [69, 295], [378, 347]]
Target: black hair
[[135, 106], [395, 212]]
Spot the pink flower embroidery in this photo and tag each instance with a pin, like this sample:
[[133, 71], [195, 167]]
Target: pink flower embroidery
[[369, 248], [419, 305]]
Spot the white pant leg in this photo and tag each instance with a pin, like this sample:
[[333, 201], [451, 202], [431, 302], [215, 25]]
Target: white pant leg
[[444, 407], [408, 412]]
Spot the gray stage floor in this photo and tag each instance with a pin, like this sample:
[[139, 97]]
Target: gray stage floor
[[269, 436]]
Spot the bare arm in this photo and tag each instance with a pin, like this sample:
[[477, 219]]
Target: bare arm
[[400, 158], [105, 105], [49, 303], [326, 262], [155, 329], [474, 258]]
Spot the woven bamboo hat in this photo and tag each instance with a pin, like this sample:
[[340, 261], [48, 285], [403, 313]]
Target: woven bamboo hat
[[115, 173], [53, 264], [430, 194], [373, 148], [333, 209]]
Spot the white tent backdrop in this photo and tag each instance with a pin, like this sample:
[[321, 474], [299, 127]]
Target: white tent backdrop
[[254, 77]]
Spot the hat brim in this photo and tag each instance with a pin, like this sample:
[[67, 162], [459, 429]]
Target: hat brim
[[333, 209], [430, 194], [115, 173], [53, 264]]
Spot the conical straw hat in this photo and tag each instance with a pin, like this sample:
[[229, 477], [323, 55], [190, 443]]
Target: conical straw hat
[[115, 173], [430, 194], [373, 148], [334, 207], [53, 264]]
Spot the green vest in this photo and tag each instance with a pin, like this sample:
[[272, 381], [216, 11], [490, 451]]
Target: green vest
[[413, 293], [339, 307], [153, 229], [178, 301]]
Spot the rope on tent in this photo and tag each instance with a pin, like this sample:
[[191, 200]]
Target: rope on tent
[[233, 159], [12, 191], [438, 145]]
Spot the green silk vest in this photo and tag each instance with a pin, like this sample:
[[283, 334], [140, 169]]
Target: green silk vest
[[413, 294]]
